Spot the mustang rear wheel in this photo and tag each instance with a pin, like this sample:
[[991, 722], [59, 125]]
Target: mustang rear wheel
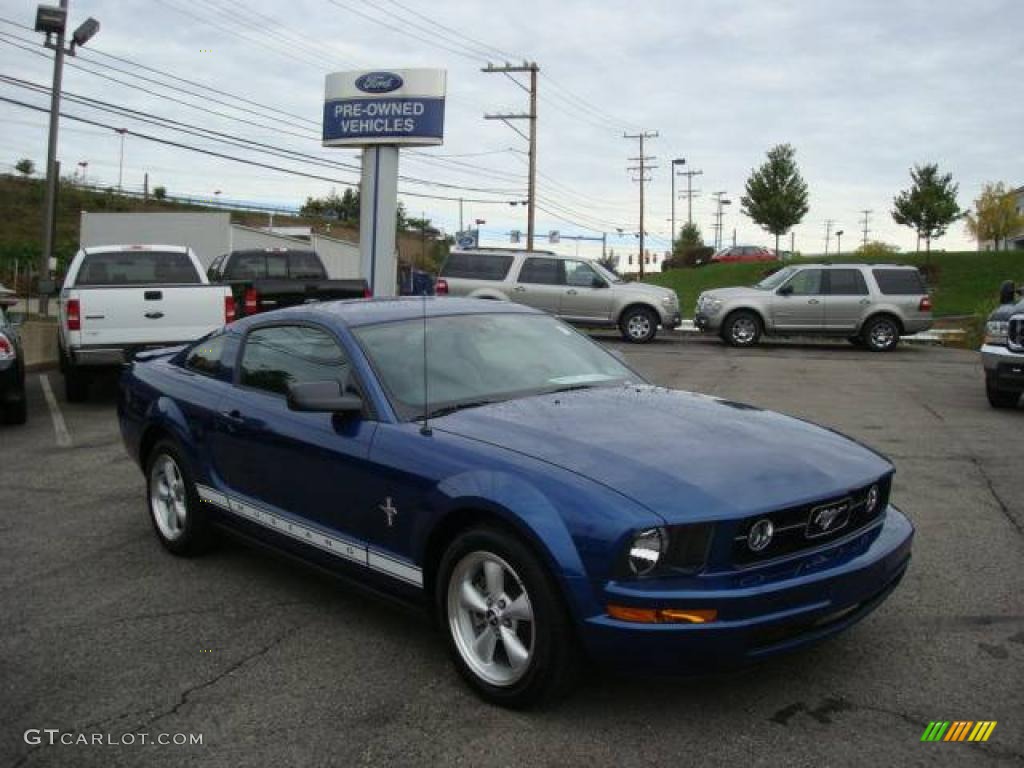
[[174, 505], [508, 632]]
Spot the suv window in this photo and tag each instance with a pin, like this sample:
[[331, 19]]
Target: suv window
[[284, 354], [899, 282], [205, 356], [137, 268], [806, 282], [846, 282], [579, 274], [541, 271], [477, 266]]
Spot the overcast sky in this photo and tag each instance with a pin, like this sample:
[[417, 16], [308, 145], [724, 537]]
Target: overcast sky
[[862, 89]]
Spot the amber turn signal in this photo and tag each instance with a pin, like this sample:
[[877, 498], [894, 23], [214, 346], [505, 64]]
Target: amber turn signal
[[663, 615]]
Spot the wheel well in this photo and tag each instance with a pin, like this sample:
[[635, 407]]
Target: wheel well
[[150, 438], [751, 310], [889, 315], [638, 305]]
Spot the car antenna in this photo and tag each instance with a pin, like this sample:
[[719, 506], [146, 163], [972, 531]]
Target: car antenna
[[425, 429]]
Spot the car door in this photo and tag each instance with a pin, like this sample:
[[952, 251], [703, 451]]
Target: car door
[[846, 299], [586, 295], [540, 284], [312, 465], [799, 303]]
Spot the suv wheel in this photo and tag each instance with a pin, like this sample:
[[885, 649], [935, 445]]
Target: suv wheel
[[638, 325], [1000, 398], [881, 334], [508, 632], [742, 329]]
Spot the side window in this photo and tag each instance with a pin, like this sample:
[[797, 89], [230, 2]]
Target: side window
[[846, 282], [205, 356], [541, 272], [280, 355], [806, 282], [477, 266], [305, 265], [579, 274], [900, 282]]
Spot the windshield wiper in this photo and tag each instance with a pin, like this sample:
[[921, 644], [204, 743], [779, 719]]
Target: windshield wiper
[[572, 388], [438, 412]]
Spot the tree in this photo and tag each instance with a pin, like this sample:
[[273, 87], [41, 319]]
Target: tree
[[159, 192], [995, 215], [929, 206], [25, 167], [689, 237], [877, 250], [776, 194]]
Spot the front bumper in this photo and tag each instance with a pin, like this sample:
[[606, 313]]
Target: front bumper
[[706, 323], [1004, 367], [831, 590]]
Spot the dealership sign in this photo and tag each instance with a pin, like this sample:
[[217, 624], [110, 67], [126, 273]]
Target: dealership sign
[[393, 107]]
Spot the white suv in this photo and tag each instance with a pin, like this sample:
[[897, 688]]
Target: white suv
[[579, 291]]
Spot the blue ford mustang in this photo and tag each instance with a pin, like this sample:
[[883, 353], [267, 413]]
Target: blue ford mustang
[[537, 495]]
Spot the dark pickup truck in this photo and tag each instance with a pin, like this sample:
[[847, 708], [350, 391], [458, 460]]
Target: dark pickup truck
[[263, 279], [1003, 351]]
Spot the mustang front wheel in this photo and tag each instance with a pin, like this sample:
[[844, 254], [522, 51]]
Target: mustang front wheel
[[508, 632]]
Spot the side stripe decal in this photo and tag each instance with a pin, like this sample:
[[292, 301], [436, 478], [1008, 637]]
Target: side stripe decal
[[338, 546]]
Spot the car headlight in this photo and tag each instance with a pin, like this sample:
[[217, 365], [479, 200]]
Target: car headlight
[[995, 331], [669, 300], [709, 305], [646, 550]]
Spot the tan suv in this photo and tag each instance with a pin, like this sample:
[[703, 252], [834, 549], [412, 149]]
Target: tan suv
[[579, 291], [869, 304]]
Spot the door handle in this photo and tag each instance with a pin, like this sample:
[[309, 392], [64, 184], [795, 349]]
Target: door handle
[[519, 289], [234, 416], [154, 315], [865, 302], [571, 292], [813, 301]]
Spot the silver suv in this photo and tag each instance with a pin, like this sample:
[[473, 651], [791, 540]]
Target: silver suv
[[869, 304], [577, 290]]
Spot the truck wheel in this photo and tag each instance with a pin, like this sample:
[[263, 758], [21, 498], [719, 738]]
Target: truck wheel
[[742, 329], [638, 325], [1000, 398], [881, 334], [76, 383]]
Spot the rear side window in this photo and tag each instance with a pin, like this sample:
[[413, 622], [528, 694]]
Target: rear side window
[[846, 282], [305, 265], [477, 266], [137, 268], [205, 356], [285, 354], [899, 282], [541, 272]]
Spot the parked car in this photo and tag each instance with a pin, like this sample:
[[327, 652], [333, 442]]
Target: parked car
[[577, 290], [869, 304], [1002, 353], [262, 279], [13, 405], [120, 299], [742, 253], [489, 463]]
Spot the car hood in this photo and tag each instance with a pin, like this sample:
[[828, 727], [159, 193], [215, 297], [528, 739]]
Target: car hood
[[656, 291], [1006, 311], [682, 455], [735, 292]]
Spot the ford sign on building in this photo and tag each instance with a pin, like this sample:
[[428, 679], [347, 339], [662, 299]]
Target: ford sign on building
[[394, 106]]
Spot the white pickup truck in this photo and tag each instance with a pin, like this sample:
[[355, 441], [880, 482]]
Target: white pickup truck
[[120, 299]]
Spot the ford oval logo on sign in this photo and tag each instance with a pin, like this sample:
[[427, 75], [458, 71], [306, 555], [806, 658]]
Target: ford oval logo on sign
[[379, 82]]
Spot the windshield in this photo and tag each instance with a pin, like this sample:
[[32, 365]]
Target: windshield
[[607, 274], [479, 359], [776, 279]]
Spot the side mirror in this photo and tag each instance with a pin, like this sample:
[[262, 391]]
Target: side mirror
[[598, 282], [1007, 293], [786, 290], [322, 397]]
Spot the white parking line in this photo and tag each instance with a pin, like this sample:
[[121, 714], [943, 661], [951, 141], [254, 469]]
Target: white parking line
[[60, 429]]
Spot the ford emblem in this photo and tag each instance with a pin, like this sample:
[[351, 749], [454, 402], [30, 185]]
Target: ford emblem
[[378, 82]]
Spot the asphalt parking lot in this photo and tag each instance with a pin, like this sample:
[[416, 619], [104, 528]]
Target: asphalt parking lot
[[273, 664]]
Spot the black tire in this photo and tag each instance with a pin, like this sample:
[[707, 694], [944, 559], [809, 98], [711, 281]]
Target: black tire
[[881, 334], [639, 325], [555, 660], [742, 329], [76, 383], [196, 533], [1000, 398], [16, 412]]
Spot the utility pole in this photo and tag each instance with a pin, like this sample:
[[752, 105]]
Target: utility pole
[[672, 240], [120, 165], [690, 193], [507, 70], [719, 202], [460, 214], [828, 233], [867, 218], [641, 168]]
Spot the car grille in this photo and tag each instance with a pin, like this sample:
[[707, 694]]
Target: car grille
[[810, 525], [1015, 333]]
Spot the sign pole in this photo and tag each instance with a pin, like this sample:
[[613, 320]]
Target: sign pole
[[378, 216]]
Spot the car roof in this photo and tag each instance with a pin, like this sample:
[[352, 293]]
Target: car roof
[[358, 312], [854, 265], [505, 252], [135, 247]]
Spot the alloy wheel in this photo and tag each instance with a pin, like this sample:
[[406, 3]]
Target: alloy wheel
[[638, 326], [491, 618], [743, 330], [167, 497], [883, 335]]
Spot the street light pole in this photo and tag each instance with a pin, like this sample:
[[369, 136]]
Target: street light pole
[[120, 165], [839, 242]]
